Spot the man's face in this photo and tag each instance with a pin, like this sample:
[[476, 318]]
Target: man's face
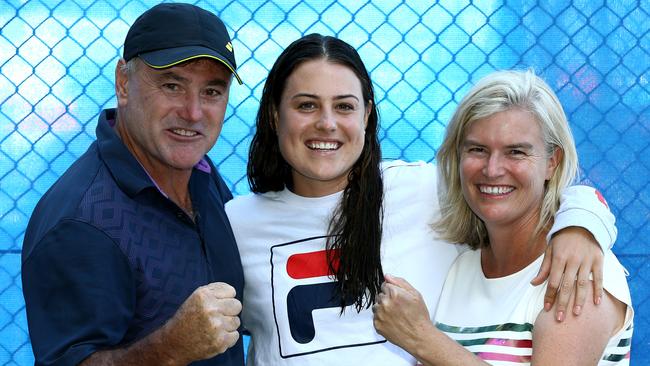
[[170, 118]]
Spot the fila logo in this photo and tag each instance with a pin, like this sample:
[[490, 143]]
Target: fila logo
[[306, 307], [303, 299]]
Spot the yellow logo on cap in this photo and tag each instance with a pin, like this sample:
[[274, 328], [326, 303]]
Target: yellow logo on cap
[[229, 46]]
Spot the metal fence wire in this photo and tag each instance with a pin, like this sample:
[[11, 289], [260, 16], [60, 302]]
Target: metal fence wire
[[57, 61]]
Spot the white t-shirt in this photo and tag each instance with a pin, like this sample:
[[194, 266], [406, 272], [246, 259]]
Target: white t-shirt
[[288, 308], [494, 317], [287, 295]]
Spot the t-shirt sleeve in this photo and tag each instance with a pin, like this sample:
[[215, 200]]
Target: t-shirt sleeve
[[585, 207], [79, 294]]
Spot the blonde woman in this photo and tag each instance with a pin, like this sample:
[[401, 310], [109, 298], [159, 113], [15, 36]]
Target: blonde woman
[[507, 156]]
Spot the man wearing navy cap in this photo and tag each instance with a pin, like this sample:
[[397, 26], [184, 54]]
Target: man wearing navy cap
[[129, 258]]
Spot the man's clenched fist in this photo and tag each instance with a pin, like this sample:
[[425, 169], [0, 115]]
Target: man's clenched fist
[[205, 325]]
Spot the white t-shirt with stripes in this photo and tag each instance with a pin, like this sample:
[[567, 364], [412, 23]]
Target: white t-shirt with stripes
[[494, 317]]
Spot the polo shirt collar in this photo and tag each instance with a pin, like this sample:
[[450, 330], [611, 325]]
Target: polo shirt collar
[[129, 174]]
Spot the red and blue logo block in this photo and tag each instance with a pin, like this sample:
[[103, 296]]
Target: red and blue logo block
[[306, 306]]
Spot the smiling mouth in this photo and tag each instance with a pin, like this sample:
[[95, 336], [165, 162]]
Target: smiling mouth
[[495, 190], [323, 145], [184, 132]]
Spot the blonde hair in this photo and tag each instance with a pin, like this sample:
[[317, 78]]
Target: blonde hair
[[498, 92]]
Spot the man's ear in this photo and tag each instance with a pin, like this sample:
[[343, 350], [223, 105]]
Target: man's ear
[[121, 83]]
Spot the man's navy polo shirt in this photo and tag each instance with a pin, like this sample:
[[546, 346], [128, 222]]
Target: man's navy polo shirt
[[107, 258]]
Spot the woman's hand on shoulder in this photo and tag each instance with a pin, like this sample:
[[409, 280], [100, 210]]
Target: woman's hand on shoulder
[[571, 256]]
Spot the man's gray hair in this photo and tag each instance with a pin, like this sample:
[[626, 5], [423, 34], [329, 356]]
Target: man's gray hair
[[131, 66]]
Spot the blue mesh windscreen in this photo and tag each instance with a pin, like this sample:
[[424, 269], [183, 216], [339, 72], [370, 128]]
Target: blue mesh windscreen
[[57, 62]]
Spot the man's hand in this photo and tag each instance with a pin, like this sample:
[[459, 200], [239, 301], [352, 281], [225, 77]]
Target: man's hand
[[205, 325], [571, 256]]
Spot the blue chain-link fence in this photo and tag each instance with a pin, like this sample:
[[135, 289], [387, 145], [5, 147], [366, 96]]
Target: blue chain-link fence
[[57, 61]]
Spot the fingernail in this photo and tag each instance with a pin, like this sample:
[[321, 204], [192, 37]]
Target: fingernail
[[577, 309], [598, 300], [547, 306], [560, 316]]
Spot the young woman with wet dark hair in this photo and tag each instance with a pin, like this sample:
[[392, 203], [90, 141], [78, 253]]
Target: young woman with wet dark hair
[[355, 229]]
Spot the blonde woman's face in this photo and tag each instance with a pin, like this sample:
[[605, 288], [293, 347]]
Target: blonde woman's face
[[503, 168]]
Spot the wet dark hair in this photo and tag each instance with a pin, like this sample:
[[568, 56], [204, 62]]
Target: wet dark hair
[[354, 233]]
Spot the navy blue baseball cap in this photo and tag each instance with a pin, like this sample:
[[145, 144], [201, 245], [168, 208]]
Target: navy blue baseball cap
[[169, 34]]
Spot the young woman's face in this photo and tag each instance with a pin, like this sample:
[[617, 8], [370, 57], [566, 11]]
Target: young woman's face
[[504, 167], [321, 125]]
